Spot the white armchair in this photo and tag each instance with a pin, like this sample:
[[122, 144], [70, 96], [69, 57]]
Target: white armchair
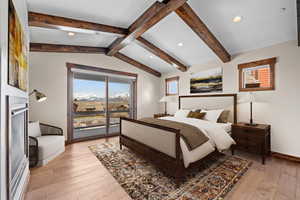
[[45, 143]]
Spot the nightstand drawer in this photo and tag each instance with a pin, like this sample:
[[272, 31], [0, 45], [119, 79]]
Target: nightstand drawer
[[254, 148], [250, 133], [247, 146]]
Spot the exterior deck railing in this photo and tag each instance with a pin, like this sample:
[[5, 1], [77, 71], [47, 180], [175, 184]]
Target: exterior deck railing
[[95, 113]]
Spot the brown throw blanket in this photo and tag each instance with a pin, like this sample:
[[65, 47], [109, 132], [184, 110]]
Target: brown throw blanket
[[192, 136]]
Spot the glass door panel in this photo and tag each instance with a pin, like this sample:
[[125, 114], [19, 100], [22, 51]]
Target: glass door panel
[[98, 103], [89, 106], [119, 102]]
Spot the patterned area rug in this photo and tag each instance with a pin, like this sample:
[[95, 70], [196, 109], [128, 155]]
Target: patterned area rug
[[142, 180]]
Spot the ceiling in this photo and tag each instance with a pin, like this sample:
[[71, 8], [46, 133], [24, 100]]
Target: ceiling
[[264, 23]]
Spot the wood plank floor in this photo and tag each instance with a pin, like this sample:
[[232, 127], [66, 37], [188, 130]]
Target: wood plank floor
[[78, 175]]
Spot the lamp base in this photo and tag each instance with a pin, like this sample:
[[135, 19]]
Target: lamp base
[[251, 124]]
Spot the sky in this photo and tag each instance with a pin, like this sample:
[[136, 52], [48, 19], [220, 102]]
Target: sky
[[87, 88]]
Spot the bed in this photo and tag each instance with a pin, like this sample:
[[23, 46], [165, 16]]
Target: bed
[[164, 145]]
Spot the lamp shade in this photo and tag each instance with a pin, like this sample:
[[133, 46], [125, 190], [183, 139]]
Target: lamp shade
[[39, 96], [164, 99], [249, 97], [168, 99]]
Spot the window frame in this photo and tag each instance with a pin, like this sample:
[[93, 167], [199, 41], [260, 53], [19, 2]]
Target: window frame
[[271, 62], [167, 81]]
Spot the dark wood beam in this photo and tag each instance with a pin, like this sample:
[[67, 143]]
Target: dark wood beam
[[137, 64], [67, 24], [150, 12], [161, 54], [298, 19], [57, 48], [151, 17], [186, 13]]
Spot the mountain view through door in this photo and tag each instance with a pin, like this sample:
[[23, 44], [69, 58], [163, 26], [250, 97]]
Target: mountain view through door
[[98, 104]]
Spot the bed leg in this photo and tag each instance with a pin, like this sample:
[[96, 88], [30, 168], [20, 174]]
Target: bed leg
[[177, 182], [179, 174]]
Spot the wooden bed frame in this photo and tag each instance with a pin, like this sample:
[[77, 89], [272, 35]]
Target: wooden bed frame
[[172, 166]]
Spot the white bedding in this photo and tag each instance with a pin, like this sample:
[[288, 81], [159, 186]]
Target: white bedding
[[216, 132]]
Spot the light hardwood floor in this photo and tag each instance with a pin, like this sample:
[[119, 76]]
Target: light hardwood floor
[[78, 175]]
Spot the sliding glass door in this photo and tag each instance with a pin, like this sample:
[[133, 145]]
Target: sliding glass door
[[98, 103], [120, 102]]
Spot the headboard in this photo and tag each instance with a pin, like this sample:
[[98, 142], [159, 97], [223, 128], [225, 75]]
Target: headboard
[[210, 102]]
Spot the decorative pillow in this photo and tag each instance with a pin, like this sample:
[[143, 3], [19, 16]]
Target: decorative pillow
[[196, 115], [182, 113], [195, 110], [212, 115], [34, 129], [224, 117]]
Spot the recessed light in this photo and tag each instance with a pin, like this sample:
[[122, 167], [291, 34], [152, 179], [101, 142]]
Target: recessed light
[[71, 34], [180, 44], [237, 19], [151, 56]]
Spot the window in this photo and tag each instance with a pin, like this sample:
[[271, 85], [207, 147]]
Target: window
[[172, 86], [257, 76]]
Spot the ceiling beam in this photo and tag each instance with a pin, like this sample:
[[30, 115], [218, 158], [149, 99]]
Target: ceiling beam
[[161, 54], [137, 64], [150, 12], [57, 48], [298, 19], [151, 17], [67, 24], [186, 13]]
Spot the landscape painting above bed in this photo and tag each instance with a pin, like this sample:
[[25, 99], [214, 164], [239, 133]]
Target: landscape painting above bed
[[207, 81]]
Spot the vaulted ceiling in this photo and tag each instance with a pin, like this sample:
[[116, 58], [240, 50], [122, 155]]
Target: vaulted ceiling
[[264, 23]]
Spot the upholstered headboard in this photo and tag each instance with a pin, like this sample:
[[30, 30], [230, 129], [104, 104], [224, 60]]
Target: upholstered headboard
[[211, 102]]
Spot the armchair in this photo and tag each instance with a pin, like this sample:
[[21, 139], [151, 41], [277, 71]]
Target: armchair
[[45, 143]]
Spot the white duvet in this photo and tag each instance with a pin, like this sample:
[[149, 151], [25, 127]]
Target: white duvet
[[218, 138]]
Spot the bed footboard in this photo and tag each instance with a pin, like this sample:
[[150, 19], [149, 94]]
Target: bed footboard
[[159, 144]]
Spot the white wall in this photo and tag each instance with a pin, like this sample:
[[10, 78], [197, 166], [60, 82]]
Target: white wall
[[48, 74], [21, 8], [280, 108]]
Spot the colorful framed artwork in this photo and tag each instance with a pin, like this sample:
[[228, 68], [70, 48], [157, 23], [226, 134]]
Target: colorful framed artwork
[[18, 49], [207, 81]]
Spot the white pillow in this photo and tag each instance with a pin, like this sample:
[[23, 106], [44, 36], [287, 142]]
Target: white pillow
[[212, 115], [182, 113], [34, 129], [222, 139]]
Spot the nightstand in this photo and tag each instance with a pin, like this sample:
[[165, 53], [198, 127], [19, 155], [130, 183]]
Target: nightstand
[[252, 139], [161, 115]]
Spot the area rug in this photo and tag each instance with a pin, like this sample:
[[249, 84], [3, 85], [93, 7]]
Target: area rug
[[143, 181]]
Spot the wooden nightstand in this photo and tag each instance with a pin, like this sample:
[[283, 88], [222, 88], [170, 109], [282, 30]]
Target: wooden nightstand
[[252, 139], [161, 115]]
